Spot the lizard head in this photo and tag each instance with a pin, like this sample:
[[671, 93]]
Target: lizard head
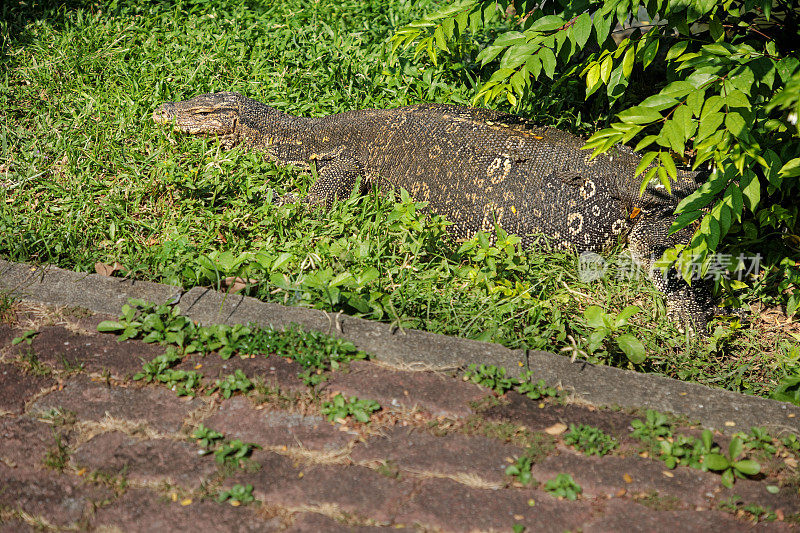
[[215, 113]]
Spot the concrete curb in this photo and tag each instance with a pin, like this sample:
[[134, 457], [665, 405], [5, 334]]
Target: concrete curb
[[599, 385]]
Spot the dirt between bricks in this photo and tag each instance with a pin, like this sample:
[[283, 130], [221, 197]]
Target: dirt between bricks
[[84, 446]]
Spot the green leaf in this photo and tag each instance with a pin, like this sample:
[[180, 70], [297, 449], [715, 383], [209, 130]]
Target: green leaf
[[735, 448], [645, 142], [791, 169], [605, 68], [674, 136], [719, 49], [678, 89], [694, 102], [650, 53], [632, 347], [707, 438], [669, 164], [737, 99], [581, 29], [659, 102], [517, 55], [602, 25], [548, 61], [594, 316], [639, 115], [616, 83], [683, 121], [109, 325], [716, 462], [625, 314], [676, 50], [747, 467], [547, 23], [489, 53], [627, 63], [684, 219], [645, 162], [709, 124], [728, 479], [593, 77], [750, 188], [440, 40], [735, 124]]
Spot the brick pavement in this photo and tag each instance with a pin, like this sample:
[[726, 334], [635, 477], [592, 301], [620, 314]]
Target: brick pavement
[[84, 446]]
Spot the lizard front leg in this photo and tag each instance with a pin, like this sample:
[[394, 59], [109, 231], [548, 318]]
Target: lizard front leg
[[688, 305], [337, 177]]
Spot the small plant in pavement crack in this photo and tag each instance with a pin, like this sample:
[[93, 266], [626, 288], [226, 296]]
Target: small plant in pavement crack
[[339, 408], [183, 382], [490, 376], [702, 453], [26, 337], [234, 452], [495, 378], [207, 437], [590, 440], [314, 351], [730, 466], [231, 383], [521, 470], [654, 425], [237, 495], [563, 486], [158, 365], [537, 390]]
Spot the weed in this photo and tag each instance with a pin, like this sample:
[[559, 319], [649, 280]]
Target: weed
[[700, 453], [237, 495], [610, 326], [33, 365], [57, 457], [495, 378], [231, 383], [758, 439], [563, 486], [490, 376], [158, 365], [788, 389], [26, 337], [59, 418], [731, 466], [70, 367], [339, 408], [521, 470], [659, 502], [757, 513], [535, 391], [389, 469], [206, 437], [6, 307], [655, 425], [183, 382], [590, 440], [792, 442], [314, 351], [234, 452]]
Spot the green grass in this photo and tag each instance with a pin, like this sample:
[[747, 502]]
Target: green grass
[[86, 177]]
